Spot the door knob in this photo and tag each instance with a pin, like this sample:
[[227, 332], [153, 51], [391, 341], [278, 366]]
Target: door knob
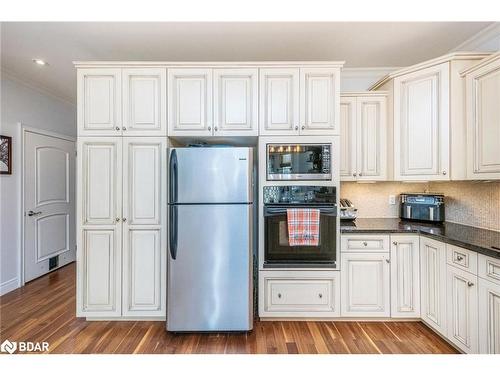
[[33, 213]]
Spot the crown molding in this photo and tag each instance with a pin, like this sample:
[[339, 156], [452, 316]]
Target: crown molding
[[367, 72], [427, 64], [217, 64], [483, 62], [363, 93], [486, 34], [35, 86]]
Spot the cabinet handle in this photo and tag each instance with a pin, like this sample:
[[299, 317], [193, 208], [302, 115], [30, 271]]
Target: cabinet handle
[[117, 219], [34, 213], [469, 283], [365, 243], [124, 128], [388, 261], [124, 219], [354, 175], [117, 128], [296, 128], [209, 128], [279, 295], [394, 243], [320, 295], [444, 173]]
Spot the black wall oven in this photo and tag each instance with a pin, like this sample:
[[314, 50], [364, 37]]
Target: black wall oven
[[277, 251]]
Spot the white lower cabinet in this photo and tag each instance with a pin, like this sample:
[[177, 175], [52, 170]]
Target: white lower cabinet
[[288, 294], [462, 309], [489, 317], [365, 285], [405, 276], [433, 284], [121, 215]]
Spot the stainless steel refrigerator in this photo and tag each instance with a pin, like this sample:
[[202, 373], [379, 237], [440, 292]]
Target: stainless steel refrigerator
[[210, 286]]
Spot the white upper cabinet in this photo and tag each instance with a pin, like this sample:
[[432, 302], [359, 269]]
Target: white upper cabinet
[[421, 124], [236, 102], [363, 137], [348, 138], [405, 276], [190, 102], [99, 102], [279, 101], [144, 102], [483, 119]]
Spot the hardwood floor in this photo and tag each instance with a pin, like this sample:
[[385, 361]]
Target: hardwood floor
[[44, 310]]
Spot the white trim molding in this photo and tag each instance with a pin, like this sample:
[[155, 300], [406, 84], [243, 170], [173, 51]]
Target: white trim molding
[[9, 286], [473, 43]]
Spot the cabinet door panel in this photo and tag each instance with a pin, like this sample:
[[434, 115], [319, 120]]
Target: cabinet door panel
[[421, 124], [101, 180], [235, 102], [279, 101], [190, 102], [319, 100], [348, 137], [405, 276], [462, 305], [99, 102], [101, 273], [144, 102], [483, 122], [372, 149], [433, 283], [365, 285], [489, 314]]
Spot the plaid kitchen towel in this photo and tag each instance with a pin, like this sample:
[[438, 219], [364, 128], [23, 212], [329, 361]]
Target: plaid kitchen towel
[[303, 226]]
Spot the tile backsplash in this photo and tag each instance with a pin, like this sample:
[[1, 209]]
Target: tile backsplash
[[467, 202]]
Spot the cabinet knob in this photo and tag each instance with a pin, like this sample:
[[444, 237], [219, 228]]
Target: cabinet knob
[[320, 295], [354, 175], [117, 219], [117, 128], [296, 128], [459, 257], [279, 295], [360, 174], [394, 243], [124, 219], [365, 243], [124, 128], [469, 283], [444, 173], [209, 128], [303, 127], [388, 261], [216, 128]]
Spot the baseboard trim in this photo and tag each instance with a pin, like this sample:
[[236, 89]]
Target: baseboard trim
[[9, 286]]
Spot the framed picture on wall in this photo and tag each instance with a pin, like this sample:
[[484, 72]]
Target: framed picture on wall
[[5, 154]]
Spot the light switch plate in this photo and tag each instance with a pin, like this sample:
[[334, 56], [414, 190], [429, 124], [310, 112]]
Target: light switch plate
[[392, 199]]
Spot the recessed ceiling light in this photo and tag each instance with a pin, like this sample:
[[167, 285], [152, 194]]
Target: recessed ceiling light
[[40, 62]]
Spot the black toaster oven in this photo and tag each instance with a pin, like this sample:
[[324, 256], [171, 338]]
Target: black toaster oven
[[422, 207]]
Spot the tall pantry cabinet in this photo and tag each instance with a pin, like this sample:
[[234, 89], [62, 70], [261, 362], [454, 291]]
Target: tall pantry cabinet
[[121, 192]]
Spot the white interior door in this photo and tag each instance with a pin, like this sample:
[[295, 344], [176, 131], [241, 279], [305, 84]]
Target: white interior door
[[49, 203]]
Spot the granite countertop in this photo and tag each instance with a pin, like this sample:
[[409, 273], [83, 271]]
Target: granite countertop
[[483, 241]]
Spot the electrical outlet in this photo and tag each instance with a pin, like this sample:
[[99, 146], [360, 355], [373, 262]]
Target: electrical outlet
[[392, 199]]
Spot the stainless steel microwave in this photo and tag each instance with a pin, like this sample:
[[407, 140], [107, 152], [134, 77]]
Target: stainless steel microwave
[[288, 161]]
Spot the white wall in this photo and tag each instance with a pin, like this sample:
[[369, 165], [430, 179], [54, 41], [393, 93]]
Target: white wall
[[21, 103], [360, 79]]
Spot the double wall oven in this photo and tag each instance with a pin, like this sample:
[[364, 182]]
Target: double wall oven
[[277, 250]]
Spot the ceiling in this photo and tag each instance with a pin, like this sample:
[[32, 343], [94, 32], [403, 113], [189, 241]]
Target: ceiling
[[360, 44]]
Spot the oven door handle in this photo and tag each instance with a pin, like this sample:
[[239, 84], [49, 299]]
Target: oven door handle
[[327, 211]]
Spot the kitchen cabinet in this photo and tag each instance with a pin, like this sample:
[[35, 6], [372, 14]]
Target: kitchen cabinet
[[306, 294], [299, 101], [144, 102], [236, 102], [363, 136], [433, 284], [462, 309], [489, 314], [190, 102], [99, 102], [121, 215], [365, 281], [114, 102], [483, 119], [405, 276], [421, 124]]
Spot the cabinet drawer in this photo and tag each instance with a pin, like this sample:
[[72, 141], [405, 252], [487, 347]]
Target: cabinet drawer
[[462, 258], [299, 292], [365, 242], [489, 268]]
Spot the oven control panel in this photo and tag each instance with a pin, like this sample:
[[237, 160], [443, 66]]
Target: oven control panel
[[299, 195]]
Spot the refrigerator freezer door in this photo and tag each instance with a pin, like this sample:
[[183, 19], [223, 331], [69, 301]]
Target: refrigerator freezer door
[[210, 279], [211, 175]]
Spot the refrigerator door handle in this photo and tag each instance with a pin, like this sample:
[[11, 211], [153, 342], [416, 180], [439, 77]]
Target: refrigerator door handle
[[173, 176], [173, 231]]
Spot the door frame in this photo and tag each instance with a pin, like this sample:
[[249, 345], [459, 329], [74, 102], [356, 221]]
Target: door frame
[[24, 130]]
